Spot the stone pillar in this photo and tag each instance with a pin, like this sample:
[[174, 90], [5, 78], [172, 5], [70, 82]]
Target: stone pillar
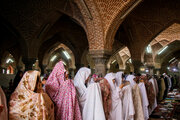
[[137, 64], [28, 62], [100, 58]]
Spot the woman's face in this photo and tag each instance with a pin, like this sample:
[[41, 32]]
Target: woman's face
[[86, 81], [66, 75], [114, 81]]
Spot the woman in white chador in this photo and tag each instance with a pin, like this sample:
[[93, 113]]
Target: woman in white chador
[[116, 95], [144, 100], [139, 115], [90, 97], [131, 78]]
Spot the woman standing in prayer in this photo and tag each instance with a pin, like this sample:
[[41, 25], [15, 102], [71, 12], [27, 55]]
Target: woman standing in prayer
[[106, 96], [162, 88], [131, 79], [106, 93], [63, 94], [128, 105], [90, 97], [139, 115], [116, 112], [150, 93], [3, 106], [28, 102], [152, 80], [145, 102]]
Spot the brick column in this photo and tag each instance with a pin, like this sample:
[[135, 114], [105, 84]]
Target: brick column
[[137, 64], [100, 58]]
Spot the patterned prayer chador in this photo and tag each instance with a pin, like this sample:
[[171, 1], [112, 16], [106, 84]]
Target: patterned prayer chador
[[63, 93], [28, 102]]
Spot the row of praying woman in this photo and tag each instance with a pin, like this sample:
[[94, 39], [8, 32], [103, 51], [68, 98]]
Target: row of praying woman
[[85, 97]]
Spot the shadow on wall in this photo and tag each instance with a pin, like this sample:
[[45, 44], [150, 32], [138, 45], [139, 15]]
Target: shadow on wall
[[5, 79]]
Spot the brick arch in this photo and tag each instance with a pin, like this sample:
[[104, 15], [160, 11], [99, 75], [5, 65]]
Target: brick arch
[[121, 56], [163, 28], [94, 26], [5, 56], [55, 49], [67, 31], [147, 21], [172, 47], [165, 63], [166, 36], [15, 35], [116, 21], [51, 44]]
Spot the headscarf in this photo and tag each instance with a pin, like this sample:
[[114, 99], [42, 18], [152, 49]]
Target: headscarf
[[119, 78], [109, 77], [55, 79], [80, 78], [130, 78], [63, 94], [94, 76], [116, 111]]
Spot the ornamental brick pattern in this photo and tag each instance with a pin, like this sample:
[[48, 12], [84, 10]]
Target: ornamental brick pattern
[[105, 18], [111, 12]]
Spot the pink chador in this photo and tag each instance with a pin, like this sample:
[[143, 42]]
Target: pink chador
[[63, 94]]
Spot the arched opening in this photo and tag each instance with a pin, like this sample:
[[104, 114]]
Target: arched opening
[[64, 38], [8, 64], [118, 61]]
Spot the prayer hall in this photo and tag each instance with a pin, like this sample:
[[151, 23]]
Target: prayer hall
[[90, 60]]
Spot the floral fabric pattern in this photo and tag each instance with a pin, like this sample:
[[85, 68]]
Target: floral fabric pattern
[[27, 104]]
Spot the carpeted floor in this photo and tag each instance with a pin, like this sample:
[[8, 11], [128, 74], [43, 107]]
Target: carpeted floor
[[168, 109]]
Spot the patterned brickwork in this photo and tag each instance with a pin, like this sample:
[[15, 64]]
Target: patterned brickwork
[[111, 12], [105, 21]]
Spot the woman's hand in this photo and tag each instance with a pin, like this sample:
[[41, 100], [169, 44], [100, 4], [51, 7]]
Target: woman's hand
[[97, 79], [141, 80], [121, 86]]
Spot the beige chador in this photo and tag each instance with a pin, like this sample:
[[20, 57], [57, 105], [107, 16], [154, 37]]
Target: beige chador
[[139, 115], [28, 102], [155, 92], [137, 99]]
